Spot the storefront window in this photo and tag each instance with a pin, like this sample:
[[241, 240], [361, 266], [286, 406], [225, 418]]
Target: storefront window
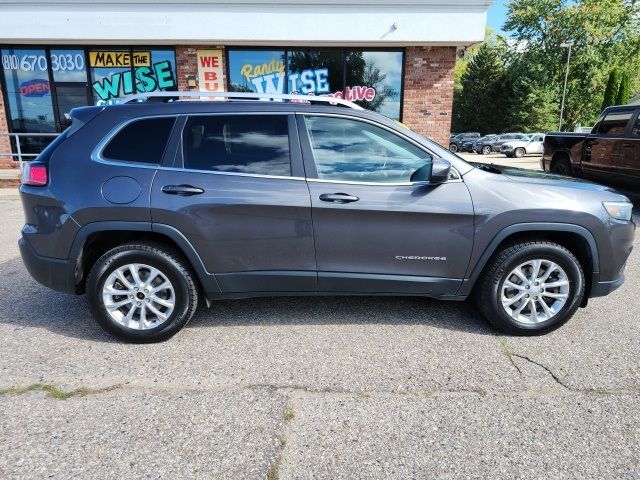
[[373, 79], [379, 71], [261, 71], [315, 72], [28, 90], [28, 96], [68, 66]]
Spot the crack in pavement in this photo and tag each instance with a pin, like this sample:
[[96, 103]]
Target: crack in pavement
[[510, 354], [294, 392], [273, 473], [53, 392]]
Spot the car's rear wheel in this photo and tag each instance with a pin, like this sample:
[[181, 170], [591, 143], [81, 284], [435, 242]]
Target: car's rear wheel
[[486, 150], [561, 166], [453, 148], [531, 288], [142, 292], [519, 152]]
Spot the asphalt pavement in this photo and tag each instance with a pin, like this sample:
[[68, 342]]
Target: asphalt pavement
[[314, 388]]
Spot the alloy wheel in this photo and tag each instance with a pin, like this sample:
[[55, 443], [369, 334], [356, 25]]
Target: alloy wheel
[[138, 296], [534, 291]]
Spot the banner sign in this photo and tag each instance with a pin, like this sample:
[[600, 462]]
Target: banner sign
[[210, 75], [119, 59]]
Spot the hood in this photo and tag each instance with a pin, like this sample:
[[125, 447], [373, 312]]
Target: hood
[[542, 178]]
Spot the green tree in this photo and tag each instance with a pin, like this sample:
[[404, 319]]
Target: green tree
[[477, 105], [605, 34], [611, 91], [624, 91]]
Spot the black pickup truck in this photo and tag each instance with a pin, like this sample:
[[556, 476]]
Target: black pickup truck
[[610, 154]]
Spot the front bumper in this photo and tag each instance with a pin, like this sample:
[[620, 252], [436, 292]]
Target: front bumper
[[506, 151], [600, 289], [55, 273]]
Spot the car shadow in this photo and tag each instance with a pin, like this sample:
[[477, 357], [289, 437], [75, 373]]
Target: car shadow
[[26, 304]]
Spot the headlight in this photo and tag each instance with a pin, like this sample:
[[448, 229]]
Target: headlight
[[619, 210]]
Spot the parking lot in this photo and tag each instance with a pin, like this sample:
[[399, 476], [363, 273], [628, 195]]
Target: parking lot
[[314, 388], [528, 161]]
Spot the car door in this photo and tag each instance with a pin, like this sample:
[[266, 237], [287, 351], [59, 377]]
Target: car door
[[629, 165], [236, 191], [376, 231], [536, 144], [603, 148]]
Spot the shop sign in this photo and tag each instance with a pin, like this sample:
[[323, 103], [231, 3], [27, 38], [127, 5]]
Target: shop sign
[[210, 73], [158, 76], [270, 77], [35, 88], [101, 59]]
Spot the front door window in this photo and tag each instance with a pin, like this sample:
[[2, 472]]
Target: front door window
[[352, 150]]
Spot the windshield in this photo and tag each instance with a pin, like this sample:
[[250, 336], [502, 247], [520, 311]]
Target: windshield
[[526, 138]]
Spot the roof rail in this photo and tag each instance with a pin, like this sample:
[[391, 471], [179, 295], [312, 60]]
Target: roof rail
[[151, 96]]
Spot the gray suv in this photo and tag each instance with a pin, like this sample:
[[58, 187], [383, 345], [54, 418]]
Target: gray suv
[[151, 208]]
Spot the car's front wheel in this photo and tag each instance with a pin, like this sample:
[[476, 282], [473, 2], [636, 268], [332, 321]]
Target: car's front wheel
[[486, 150], [453, 148], [531, 288], [142, 292], [519, 152]]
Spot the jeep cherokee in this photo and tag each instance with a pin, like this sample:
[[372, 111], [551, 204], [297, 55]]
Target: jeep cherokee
[[151, 208]]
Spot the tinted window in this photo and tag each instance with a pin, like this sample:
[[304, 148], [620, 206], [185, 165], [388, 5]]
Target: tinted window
[[636, 127], [351, 150], [256, 144], [615, 123], [142, 141]]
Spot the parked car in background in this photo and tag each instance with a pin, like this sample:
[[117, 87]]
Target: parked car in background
[[610, 154], [504, 138], [528, 145], [456, 143], [483, 144]]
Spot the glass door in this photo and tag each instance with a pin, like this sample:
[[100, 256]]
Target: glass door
[[67, 97]]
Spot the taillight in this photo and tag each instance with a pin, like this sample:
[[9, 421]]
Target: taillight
[[35, 175]]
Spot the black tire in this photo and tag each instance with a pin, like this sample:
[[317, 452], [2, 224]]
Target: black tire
[[453, 148], [486, 150], [488, 291], [561, 166], [170, 263], [519, 152]]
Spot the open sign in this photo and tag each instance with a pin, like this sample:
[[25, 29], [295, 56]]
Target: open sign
[[35, 88]]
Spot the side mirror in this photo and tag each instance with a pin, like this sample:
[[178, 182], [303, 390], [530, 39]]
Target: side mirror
[[440, 170], [423, 174], [436, 171]]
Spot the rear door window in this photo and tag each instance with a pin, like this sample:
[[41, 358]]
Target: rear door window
[[141, 141], [250, 144], [615, 123]]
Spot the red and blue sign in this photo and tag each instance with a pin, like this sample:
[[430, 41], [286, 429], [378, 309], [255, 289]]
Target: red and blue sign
[[35, 88]]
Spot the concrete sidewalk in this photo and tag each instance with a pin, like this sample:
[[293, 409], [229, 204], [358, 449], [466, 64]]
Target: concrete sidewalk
[[9, 174]]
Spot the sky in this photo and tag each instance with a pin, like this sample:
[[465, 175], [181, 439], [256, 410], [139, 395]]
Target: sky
[[497, 15]]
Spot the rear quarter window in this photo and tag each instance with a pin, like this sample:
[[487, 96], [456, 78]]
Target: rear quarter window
[[141, 141]]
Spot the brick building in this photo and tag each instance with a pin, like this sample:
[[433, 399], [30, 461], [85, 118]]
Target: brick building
[[395, 57]]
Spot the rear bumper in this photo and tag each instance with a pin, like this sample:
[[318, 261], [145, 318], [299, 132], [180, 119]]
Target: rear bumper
[[55, 273]]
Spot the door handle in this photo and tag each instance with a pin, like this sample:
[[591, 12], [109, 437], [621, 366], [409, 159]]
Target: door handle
[[182, 190], [338, 198]]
